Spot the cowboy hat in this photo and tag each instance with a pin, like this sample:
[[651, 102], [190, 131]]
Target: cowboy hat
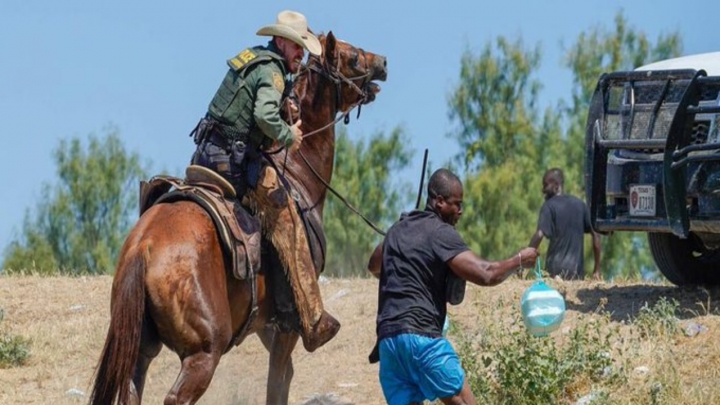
[[293, 26]]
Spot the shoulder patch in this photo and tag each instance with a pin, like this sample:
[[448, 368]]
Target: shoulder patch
[[240, 60], [278, 82]]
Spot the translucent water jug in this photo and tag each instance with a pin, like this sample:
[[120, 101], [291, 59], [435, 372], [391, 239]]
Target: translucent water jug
[[543, 308]]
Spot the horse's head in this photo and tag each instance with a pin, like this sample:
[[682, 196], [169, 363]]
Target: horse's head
[[352, 70]]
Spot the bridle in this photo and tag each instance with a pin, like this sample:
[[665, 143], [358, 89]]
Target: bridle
[[333, 74]]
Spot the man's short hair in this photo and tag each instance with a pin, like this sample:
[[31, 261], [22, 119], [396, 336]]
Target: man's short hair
[[556, 175], [442, 183]]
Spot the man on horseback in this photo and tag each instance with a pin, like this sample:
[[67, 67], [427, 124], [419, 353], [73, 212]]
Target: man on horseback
[[243, 119]]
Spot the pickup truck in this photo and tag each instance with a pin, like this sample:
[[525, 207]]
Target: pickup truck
[[653, 162]]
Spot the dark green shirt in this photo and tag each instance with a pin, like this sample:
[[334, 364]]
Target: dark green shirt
[[250, 96]]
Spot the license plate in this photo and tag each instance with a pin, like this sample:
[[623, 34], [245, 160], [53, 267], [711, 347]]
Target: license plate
[[642, 200]]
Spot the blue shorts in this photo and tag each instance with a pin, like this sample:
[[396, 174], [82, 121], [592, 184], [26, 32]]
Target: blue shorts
[[415, 368]]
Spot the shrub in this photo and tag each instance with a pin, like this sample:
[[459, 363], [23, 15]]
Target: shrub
[[658, 320], [507, 365], [14, 350]]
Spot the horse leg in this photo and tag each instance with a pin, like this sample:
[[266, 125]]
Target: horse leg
[[199, 359], [280, 345], [195, 375], [150, 347], [206, 336]]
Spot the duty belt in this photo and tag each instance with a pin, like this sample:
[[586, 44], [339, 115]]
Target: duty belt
[[219, 140], [218, 133], [228, 131]]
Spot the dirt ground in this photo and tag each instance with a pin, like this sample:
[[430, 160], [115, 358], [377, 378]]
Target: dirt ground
[[66, 319]]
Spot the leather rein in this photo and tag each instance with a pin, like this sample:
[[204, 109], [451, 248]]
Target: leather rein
[[333, 74]]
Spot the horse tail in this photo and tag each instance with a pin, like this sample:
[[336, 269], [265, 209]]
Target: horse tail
[[122, 344]]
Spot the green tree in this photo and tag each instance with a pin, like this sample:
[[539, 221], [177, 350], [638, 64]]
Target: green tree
[[594, 52], [80, 222], [505, 140], [365, 174], [508, 143], [495, 103], [598, 51]]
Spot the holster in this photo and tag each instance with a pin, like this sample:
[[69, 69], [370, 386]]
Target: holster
[[199, 133], [253, 166]]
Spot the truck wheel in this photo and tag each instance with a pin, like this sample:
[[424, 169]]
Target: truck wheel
[[684, 261]]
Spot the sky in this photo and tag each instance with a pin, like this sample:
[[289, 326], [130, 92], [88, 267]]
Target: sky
[[71, 68]]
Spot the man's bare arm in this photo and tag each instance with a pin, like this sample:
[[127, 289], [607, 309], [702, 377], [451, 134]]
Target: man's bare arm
[[473, 268], [536, 239]]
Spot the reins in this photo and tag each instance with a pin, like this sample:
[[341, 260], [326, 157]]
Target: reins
[[344, 115], [333, 75], [340, 197], [338, 79]]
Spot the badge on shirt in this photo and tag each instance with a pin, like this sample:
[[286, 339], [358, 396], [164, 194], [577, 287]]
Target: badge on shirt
[[278, 82]]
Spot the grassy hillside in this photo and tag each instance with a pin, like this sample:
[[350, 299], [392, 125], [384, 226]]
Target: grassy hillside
[[623, 343]]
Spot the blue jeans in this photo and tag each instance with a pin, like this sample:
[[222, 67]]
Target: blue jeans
[[415, 368]]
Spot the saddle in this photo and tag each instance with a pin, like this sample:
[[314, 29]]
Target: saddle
[[238, 230]]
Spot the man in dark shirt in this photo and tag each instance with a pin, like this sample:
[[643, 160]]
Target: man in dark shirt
[[564, 219], [421, 256]]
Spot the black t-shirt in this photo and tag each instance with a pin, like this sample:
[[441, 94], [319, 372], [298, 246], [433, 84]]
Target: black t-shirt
[[563, 220], [412, 290]]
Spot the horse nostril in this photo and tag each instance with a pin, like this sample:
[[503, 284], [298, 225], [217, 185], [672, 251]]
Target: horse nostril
[[381, 63]]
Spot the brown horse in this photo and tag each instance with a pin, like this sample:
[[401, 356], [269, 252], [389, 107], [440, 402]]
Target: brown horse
[[172, 285]]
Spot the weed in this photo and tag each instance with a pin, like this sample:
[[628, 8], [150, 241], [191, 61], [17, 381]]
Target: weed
[[658, 320], [513, 367], [14, 350]]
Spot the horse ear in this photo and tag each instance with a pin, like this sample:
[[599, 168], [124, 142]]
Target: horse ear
[[329, 51]]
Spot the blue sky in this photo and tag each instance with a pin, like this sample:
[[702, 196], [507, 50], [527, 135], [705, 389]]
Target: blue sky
[[72, 67]]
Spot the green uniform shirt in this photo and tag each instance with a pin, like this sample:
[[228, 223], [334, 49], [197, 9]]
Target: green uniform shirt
[[250, 96]]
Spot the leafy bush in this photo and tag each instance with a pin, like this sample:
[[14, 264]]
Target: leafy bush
[[14, 350], [81, 221], [658, 320], [507, 365]]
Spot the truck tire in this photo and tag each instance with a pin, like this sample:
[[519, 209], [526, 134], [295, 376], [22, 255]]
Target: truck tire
[[684, 261]]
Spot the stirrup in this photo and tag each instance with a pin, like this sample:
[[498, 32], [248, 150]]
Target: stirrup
[[198, 175]]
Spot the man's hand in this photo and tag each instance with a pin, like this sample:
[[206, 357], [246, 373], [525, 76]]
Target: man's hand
[[293, 110], [295, 128], [528, 256]]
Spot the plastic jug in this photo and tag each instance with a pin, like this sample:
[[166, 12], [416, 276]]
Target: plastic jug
[[543, 308]]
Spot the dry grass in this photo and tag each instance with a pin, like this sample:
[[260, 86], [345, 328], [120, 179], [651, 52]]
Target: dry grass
[[66, 319]]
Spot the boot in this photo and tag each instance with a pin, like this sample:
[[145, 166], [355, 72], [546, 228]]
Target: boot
[[284, 227], [325, 329]]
